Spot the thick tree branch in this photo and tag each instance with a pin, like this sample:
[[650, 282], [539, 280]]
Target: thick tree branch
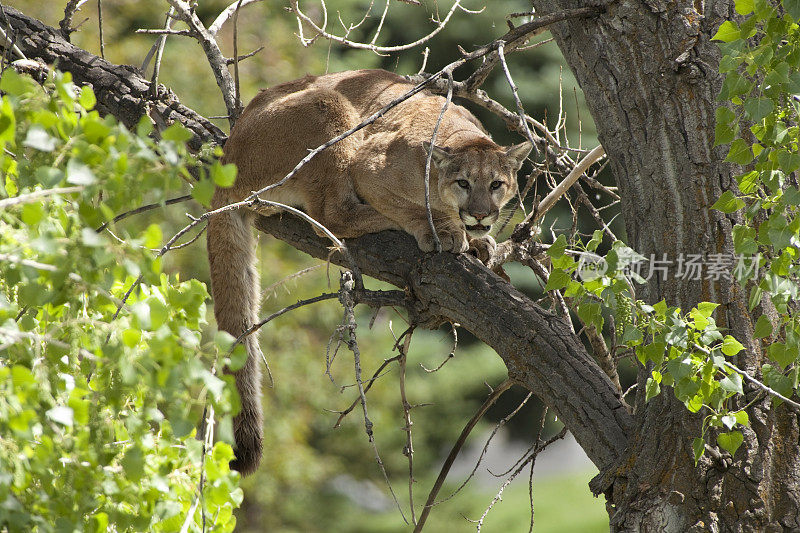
[[120, 89], [536, 346]]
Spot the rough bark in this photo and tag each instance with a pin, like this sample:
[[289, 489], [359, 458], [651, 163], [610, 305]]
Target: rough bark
[[538, 348], [650, 76]]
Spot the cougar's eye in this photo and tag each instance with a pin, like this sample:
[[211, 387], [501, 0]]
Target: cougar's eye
[[464, 184], [496, 185]]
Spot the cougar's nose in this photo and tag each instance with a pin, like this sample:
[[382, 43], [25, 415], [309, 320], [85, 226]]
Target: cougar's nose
[[479, 215]]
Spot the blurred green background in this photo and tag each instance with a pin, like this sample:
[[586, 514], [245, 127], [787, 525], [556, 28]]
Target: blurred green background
[[313, 477]]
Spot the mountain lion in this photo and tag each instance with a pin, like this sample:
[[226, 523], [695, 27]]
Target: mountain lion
[[371, 181]]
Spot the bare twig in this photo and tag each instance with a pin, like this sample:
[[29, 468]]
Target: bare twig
[[408, 451], [69, 11], [530, 459], [34, 196], [436, 243], [242, 57], [452, 353], [558, 191], [216, 60], [321, 32], [265, 293], [159, 46], [762, 386], [344, 413], [226, 14], [448, 463], [8, 42], [497, 427], [520, 110], [255, 327], [237, 95], [100, 28], [143, 209], [347, 284]]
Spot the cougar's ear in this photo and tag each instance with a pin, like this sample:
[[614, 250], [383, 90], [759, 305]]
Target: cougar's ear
[[516, 154], [441, 154]]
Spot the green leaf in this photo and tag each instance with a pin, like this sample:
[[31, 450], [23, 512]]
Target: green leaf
[[202, 191], [558, 280], [727, 32], [13, 83], [653, 388], [732, 383], [153, 236], [783, 354], [87, 99], [177, 133], [79, 174], [744, 7], [699, 448], [758, 108], [748, 182], [730, 441], [133, 463], [793, 8], [557, 248], [38, 139], [791, 196], [788, 161], [763, 327], [731, 346], [742, 418], [591, 313], [131, 337], [706, 308], [32, 213], [739, 152], [223, 175], [238, 357], [700, 321], [728, 203], [158, 313]]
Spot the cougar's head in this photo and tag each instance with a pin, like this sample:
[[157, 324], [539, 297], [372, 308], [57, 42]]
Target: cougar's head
[[478, 181]]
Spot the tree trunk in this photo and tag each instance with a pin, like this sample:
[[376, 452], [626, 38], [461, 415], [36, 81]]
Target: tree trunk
[[650, 76]]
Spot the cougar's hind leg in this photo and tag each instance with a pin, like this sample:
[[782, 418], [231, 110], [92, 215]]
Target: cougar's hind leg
[[346, 215]]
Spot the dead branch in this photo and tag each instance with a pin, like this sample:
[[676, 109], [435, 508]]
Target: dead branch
[[451, 457], [321, 31], [226, 14], [436, 242], [216, 60], [65, 24]]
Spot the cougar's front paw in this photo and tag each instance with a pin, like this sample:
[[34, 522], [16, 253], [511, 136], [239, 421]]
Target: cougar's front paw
[[483, 248], [451, 241]]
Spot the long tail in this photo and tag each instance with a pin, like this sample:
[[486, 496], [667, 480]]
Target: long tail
[[235, 288]]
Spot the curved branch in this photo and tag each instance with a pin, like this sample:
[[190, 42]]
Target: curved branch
[[537, 347]]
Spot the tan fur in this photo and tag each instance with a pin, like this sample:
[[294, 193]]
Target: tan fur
[[371, 181]]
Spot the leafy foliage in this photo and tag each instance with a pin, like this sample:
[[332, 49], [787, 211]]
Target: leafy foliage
[[98, 410]]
